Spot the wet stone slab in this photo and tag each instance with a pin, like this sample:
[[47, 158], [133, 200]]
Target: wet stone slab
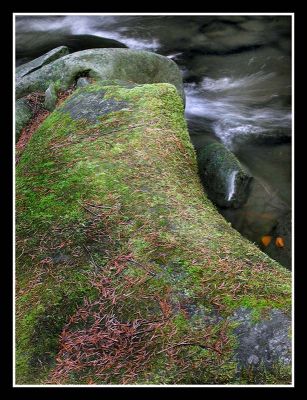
[[90, 106]]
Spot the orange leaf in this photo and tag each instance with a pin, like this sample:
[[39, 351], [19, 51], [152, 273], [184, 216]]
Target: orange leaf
[[279, 242], [266, 240]]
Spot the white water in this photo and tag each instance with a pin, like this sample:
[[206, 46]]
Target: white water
[[231, 184], [235, 107]]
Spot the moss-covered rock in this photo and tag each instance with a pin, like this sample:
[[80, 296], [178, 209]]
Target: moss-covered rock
[[126, 272], [101, 64], [23, 115], [225, 180]]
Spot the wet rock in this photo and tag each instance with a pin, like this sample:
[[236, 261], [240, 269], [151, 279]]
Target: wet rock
[[23, 115], [34, 44], [50, 98], [264, 342], [224, 178], [282, 230], [102, 64], [45, 59]]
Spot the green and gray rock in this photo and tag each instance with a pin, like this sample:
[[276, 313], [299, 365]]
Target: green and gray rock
[[225, 180], [45, 59], [122, 259], [50, 98], [23, 115], [103, 64]]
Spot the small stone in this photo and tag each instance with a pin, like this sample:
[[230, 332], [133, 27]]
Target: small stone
[[83, 81], [50, 98], [253, 360]]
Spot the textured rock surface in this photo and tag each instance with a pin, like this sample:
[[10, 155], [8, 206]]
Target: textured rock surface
[[23, 115], [101, 64], [50, 98], [225, 180], [267, 341], [123, 261], [45, 59]]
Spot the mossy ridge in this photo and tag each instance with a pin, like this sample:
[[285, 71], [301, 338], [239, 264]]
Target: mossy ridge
[[147, 177]]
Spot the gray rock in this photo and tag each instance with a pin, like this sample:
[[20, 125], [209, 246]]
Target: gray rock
[[33, 44], [265, 342], [224, 178], [90, 106], [23, 115], [102, 64], [50, 98], [45, 59], [83, 81]]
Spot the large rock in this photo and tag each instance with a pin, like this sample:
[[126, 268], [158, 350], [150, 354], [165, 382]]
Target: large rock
[[23, 115], [45, 59], [101, 64], [34, 44], [225, 180], [126, 272]]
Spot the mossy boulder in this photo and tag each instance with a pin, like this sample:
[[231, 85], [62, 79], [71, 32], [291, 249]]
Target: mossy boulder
[[126, 272], [103, 64], [23, 115], [225, 180]]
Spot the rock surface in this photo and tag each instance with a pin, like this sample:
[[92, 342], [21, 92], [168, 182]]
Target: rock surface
[[45, 59], [83, 81], [123, 261], [225, 180], [101, 64], [23, 115], [50, 98], [267, 341], [34, 44]]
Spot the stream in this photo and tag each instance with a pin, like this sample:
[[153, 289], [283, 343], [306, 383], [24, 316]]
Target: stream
[[237, 80]]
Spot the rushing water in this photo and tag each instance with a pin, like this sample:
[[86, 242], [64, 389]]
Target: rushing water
[[237, 75]]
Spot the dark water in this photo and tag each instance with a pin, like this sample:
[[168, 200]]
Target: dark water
[[237, 74]]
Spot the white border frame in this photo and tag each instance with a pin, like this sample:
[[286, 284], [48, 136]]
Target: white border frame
[[292, 198]]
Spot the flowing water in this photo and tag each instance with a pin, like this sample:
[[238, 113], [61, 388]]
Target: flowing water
[[237, 77]]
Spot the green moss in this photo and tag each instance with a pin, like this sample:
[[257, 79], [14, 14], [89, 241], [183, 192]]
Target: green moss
[[128, 184]]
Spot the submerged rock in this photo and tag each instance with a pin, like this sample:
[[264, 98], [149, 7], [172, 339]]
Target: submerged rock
[[23, 115], [282, 253], [225, 180], [45, 59], [101, 64]]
